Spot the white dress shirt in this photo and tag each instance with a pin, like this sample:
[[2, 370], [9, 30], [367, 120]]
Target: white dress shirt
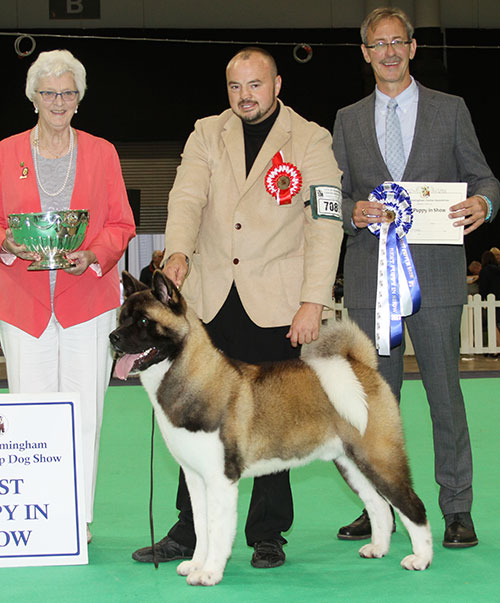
[[406, 111]]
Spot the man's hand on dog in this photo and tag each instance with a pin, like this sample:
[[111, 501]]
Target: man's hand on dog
[[305, 324], [176, 268]]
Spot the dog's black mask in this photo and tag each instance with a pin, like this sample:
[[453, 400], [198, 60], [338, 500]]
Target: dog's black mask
[[141, 340]]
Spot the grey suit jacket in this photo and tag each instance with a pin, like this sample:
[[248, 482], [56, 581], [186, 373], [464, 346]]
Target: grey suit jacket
[[445, 149]]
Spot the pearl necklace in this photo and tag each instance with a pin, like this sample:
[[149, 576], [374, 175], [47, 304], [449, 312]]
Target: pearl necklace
[[36, 153]]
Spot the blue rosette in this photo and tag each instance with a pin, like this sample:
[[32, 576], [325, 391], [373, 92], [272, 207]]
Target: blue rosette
[[398, 290]]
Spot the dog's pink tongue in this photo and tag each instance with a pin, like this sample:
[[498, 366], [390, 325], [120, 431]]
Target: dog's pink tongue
[[124, 365]]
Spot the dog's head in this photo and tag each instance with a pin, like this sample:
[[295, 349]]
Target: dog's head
[[152, 324]]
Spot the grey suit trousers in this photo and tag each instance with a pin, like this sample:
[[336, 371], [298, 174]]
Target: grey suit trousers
[[434, 333]]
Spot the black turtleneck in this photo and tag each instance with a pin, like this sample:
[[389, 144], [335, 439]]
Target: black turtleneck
[[255, 135]]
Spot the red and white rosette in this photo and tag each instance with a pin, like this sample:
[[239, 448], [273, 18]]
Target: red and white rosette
[[283, 180]]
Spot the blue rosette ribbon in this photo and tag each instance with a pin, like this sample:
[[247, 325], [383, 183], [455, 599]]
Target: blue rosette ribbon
[[398, 290]]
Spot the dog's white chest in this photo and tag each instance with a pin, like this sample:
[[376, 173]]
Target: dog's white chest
[[201, 451]]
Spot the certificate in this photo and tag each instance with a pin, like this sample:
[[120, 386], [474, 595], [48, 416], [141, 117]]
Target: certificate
[[431, 202]]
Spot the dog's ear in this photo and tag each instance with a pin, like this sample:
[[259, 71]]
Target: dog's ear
[[131, 284], [165, 291]]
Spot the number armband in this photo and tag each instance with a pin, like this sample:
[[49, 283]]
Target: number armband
[[326, 202]]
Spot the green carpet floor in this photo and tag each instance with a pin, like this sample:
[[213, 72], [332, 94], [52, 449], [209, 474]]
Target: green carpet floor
[[319, 567]]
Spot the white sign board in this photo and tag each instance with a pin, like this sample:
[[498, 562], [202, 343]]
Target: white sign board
[[42, 502]]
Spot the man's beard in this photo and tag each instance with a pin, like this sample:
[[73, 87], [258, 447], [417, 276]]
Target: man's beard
[[260, 115]]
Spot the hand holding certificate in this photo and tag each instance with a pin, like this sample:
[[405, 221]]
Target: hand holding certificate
[[431, 202]]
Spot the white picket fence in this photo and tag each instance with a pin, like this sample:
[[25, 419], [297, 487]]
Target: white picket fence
[[477, 331]]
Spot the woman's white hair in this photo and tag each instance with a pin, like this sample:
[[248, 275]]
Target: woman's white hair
[[55, 63]]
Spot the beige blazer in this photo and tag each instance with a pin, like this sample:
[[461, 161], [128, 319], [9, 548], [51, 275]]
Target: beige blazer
[[232, 229]]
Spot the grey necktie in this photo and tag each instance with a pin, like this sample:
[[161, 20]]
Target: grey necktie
[[394, 152]]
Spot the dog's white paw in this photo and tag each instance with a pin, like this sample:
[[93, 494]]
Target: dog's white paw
[[372, 551], [204, 577], [187, 567], [415, 562]]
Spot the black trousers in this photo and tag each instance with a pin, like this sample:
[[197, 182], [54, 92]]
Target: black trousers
[[271, 505]]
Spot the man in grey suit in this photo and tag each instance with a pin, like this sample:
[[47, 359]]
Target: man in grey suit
[[439, 144]]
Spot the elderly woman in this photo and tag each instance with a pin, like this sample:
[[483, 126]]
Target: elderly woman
[[54, 325]]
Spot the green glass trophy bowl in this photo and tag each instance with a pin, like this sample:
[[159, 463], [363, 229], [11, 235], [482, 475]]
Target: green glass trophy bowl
[[51, 234]]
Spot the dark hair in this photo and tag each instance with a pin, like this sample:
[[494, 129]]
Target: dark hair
[[488, 258]]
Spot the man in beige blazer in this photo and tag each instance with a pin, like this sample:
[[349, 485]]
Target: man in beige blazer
[[258, 273]]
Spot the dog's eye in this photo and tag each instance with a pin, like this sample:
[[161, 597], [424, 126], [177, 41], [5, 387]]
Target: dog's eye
[[143, 322]]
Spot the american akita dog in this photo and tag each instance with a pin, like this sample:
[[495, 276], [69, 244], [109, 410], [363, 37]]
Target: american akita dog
[[223, 420]]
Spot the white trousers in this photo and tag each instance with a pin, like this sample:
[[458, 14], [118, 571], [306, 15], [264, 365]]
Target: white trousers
[[76, 359]]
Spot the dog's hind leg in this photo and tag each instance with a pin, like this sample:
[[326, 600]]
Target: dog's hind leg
[[421, 541], [399, 493], [221, 507], [376, 506], [396, 487]]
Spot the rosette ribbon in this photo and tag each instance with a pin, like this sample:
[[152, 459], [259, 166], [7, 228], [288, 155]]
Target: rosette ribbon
[[398, 290], [283, 180]]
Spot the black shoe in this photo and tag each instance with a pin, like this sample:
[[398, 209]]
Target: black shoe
[[360, 528], [268, 553], [166, 550], [459, 532]]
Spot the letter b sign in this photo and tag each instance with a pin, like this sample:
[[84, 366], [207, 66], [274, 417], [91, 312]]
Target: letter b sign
[[74, 9]]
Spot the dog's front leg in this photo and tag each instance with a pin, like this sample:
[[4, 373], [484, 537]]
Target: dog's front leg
[[222, 500], [198, 496]]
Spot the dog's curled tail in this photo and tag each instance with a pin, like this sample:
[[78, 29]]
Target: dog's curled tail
[[342, 338], [339, 343]]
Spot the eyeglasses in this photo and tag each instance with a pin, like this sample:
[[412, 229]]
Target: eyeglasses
[[381, 46], [49, 96]]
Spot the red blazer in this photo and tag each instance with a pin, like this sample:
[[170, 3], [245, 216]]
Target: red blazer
[[99, 187]]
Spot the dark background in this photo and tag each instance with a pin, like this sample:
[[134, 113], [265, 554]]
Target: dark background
[[139, 89]]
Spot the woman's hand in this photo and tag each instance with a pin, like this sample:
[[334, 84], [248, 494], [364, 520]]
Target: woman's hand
[[18, 250], [81, 261]]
